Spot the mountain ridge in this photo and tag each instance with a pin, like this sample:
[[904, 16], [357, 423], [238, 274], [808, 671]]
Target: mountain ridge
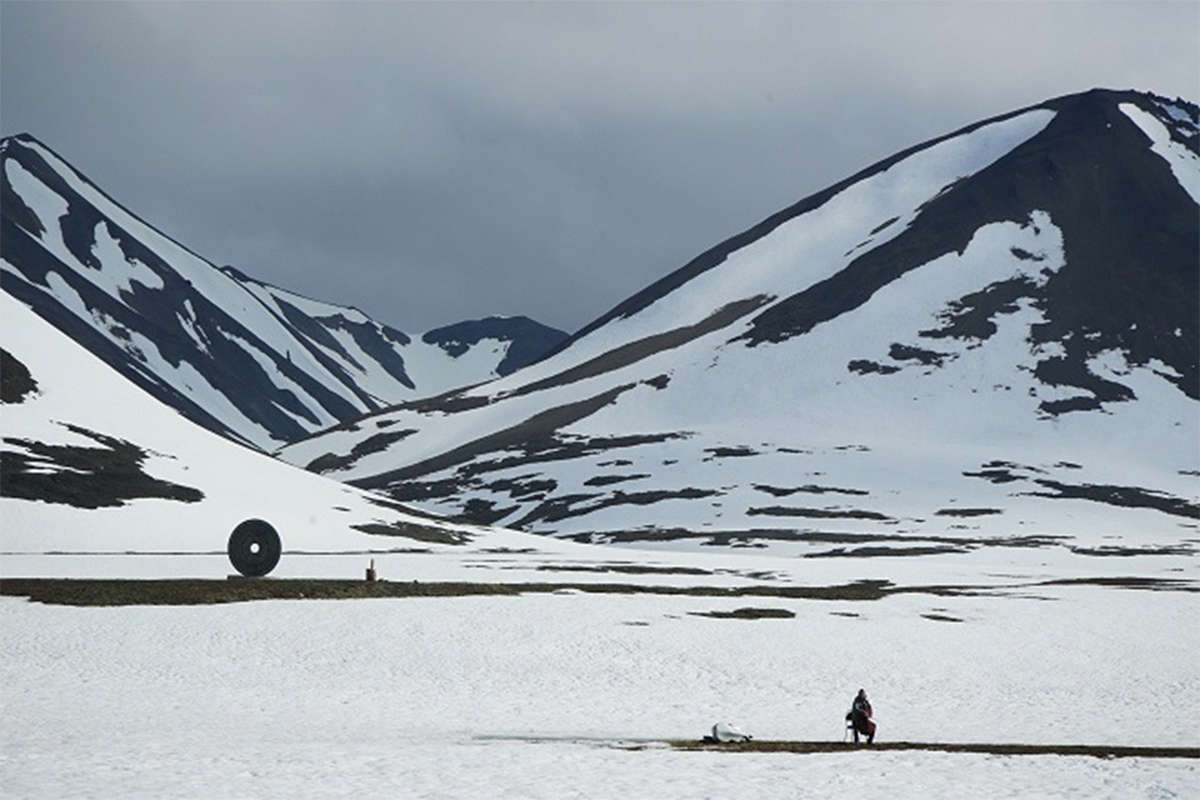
[[232, 353], [716, 254], [993, 260]]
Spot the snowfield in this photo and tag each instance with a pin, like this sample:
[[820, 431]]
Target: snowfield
[[572, 695]]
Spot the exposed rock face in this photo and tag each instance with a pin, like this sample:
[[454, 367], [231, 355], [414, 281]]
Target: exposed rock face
[[16, 382]]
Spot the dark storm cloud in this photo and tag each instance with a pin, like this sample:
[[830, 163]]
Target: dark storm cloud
[[430, 163]]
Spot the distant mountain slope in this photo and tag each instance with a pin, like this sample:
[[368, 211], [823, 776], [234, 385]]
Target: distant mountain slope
[[126, 473], [528, 341], [240, 357], [994, 333], [380, 359]]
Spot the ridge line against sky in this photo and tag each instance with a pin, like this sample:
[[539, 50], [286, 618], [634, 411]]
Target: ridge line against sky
[[430, 163]]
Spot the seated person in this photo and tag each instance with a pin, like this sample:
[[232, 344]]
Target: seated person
[[859, 716]]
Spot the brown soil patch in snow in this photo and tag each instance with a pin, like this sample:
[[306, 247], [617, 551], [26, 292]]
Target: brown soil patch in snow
[[747, 613], [1096, 750]]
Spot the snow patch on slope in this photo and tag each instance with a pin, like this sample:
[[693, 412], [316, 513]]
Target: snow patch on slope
[[442, 371], [121, 278], [279, 379], [1183, 162]]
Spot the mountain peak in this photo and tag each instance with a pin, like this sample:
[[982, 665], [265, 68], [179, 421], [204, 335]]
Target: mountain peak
[[992, 332]]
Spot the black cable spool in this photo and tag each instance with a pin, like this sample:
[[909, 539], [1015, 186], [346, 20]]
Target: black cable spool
[[254, 548]]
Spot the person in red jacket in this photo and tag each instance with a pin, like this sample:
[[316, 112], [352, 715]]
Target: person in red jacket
[[859, 716]]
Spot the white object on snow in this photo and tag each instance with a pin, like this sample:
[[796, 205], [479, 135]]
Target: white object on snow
[[728, 732]]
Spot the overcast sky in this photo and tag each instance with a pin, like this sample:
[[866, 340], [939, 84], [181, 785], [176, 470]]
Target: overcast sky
[[433, 163]]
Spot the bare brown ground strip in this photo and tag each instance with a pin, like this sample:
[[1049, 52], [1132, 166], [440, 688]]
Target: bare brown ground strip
[[198, 591], [540, 424], [195, 591], [637, 350], [1098, 751]]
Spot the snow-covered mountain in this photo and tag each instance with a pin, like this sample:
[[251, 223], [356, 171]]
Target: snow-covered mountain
[[130, 474], [991, 334], [243, 358]]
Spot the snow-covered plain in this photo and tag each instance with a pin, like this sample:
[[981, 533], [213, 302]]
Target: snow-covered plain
[[572, 695]]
